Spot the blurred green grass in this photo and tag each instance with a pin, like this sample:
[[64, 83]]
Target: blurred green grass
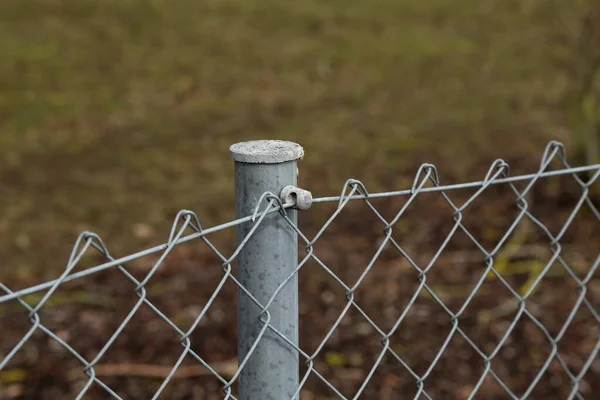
[[115, 113]]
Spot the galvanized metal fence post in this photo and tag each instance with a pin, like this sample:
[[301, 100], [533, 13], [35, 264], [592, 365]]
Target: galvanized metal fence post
[[267, 259]]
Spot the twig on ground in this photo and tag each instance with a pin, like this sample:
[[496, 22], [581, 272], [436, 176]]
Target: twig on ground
[[226, 369]]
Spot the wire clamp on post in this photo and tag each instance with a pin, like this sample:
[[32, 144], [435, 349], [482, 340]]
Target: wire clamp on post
[[302, 199]]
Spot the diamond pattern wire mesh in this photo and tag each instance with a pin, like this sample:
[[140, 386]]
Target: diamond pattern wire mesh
[[187, 227]]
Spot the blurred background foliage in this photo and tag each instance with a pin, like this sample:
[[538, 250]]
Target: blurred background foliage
[[115, 114]]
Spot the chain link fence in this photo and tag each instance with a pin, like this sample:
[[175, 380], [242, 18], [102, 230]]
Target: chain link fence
[[518, 346]]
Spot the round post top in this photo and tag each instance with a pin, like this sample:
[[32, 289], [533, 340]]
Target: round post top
[[266, 151]]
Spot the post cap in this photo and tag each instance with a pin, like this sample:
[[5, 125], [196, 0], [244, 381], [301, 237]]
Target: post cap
[[266, 151]]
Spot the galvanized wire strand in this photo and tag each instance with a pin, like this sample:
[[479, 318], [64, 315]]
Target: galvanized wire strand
[[132, 257], [468, 185], [339, 199]]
